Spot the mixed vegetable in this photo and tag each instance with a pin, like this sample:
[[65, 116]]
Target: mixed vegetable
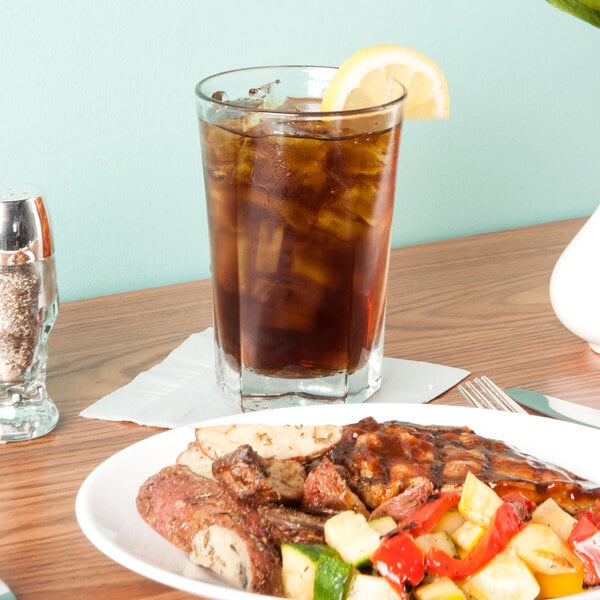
[[468, 545]]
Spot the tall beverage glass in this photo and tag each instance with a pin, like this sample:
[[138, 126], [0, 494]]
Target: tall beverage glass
[[300, 209]]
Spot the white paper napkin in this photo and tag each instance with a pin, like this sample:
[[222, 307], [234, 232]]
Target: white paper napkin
[[182, 388], [5, 593]]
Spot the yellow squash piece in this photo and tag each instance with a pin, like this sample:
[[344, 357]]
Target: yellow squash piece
[[467, 535], [383, 525], [440, 589], [450, 521], [543, 551], [440, 540], [478, 502], [551, 514], [370, 587], [505, 577], [351, 535]]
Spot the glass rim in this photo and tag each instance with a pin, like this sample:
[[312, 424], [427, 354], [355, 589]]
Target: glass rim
[[344, 112]]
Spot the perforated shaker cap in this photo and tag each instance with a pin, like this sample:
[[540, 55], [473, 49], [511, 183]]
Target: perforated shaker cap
[[24, 225]]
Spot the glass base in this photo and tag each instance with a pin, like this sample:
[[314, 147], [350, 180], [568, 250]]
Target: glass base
[[27, 420], [256, 391]]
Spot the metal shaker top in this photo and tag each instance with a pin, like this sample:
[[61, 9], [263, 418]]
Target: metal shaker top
[[24, 225]]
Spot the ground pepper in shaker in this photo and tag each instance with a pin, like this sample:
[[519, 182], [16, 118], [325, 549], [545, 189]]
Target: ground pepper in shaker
[[28, 309]]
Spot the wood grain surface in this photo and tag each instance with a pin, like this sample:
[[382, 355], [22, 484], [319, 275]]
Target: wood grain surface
[[480, 303]]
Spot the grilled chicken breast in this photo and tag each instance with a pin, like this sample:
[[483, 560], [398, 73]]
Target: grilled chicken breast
[[384, 459]]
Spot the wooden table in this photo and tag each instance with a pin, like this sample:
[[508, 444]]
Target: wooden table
[[480, 303]]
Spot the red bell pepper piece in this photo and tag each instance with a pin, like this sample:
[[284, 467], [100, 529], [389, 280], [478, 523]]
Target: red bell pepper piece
[[426, 517], [524, 505], [505, 524], [591, 515], [400, 561], [585, 542]]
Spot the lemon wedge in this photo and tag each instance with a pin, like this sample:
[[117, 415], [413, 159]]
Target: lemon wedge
[[376, 75]]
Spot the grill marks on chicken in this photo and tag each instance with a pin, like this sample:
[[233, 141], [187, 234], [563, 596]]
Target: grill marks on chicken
[[384, 459], [234, 522]]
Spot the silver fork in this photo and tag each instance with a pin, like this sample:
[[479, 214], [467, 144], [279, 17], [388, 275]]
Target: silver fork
[[482, 392]]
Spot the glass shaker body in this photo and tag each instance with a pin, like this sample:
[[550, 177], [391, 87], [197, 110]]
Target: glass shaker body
[[28, 310]]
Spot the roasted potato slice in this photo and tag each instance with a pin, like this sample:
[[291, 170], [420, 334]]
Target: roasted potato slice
[[300, 442], [193, 458]]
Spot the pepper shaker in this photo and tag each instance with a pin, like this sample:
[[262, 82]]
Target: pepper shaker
[[28, 309]]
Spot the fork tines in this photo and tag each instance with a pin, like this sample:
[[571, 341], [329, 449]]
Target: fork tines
[[482, 392]]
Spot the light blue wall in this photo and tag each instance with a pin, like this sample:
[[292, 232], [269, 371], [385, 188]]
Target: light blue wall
[[97, 110]]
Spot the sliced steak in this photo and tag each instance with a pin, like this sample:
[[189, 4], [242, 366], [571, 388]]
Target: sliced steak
[[326, 491], [287, 525], [258, 480], [401, 506]]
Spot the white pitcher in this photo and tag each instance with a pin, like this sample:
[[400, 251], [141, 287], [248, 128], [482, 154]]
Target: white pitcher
[[575, 283]]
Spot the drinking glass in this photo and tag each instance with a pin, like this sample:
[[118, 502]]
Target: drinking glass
[[300, 207]]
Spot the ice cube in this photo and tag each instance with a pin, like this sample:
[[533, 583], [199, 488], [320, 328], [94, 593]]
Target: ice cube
[[340, 223], [311, 262], [291, 305], [268, 248], [225, 269]]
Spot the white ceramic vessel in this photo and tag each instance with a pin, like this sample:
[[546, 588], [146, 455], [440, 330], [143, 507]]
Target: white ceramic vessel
[[575, 284]]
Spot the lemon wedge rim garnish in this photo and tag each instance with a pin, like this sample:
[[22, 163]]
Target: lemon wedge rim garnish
[[376, 75]]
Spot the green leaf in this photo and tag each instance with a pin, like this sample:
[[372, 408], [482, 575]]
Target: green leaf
[[595, 4], [587, 10]]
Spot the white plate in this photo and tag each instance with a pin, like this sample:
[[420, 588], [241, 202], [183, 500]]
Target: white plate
[[106, 508]]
